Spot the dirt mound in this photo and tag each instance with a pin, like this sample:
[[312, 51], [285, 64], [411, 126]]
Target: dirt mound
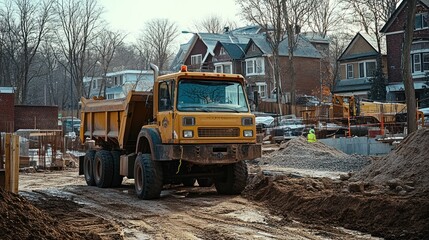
[[19, 219], [322, 200], [298, 153], [406, 167]]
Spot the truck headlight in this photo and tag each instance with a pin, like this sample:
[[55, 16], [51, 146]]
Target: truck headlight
[[248, 133], [247, 121], [188, 133]]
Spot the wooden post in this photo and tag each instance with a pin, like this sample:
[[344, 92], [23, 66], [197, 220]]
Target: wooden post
[[7, 172], [15, 164]]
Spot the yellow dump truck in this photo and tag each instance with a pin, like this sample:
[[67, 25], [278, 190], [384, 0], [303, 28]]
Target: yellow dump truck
[[193, 126]]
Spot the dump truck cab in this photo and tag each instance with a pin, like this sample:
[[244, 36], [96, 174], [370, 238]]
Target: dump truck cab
[[200, 129]]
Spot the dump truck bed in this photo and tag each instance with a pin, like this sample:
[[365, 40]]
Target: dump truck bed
[[116, 121]]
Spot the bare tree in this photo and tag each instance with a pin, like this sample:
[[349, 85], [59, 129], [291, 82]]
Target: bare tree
[[406, 67], [326, 17], [79, 21], [106, 45], [157, 39], [372, 15], [26, 23], [214, 24], [296, 13], [268, 15]]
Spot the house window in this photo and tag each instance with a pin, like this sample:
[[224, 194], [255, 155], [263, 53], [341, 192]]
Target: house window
[[196, 59], [222, 51], [361, 69], [218, 68], [262, 89], [421, 21], [253, 47], [370, 69], [349, 71], [94, 83], [223, 68], [249, 67], [417, 65], [425, 61], [110, 96], [255, 66]]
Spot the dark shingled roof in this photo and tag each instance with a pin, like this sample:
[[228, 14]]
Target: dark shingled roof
[[352, 85], [234, 50]]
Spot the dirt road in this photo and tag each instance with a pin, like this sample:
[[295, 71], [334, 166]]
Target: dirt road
[[181, 213]]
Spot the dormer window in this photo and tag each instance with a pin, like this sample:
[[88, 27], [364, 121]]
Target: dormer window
[[421, 21], [222, 51]]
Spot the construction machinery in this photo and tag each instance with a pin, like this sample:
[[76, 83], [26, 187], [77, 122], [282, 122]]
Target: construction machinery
[[192, 126]]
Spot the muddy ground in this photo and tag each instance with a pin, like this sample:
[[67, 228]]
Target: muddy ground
[[388, 198]]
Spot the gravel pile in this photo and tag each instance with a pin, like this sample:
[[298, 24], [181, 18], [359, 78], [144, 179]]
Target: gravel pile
[[298, 153]]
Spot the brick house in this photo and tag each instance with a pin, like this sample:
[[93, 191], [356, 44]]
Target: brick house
[[198, 53], [258, 68], [357, 65], [394, 31]]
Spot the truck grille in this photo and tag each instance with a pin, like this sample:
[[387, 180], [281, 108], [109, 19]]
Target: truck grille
[[218, 132]]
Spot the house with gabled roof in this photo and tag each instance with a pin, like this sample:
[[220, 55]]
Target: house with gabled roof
[[258, 68], [357, 66], [394, 31], [228, 57]]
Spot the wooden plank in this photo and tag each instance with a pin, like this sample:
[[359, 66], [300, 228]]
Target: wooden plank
[[15, 163], [7, 162]]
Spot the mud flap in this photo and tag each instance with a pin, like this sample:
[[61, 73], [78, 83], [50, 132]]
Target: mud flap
[[81, 159]]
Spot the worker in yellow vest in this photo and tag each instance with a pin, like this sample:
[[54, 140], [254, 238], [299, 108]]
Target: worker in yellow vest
[[311, 136]]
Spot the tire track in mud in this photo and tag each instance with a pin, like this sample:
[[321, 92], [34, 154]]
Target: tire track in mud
[[180, 213]]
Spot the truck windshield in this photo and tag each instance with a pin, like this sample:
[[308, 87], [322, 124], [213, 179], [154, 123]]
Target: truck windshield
[[211, 96]]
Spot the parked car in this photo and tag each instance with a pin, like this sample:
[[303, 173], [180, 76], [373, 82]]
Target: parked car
[[287, 129], [264, 121]]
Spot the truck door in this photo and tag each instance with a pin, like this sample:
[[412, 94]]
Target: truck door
[[165, 111]]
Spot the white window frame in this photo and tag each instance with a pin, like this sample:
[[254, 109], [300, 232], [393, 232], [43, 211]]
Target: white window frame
[[365, 68], [418, 63], [220, 67], [196, 59], [255, 66], [262, 89], [351, 71]]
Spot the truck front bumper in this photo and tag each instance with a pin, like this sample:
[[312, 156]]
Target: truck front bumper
[[207, 154]]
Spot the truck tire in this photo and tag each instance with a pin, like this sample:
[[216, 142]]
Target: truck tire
[[189, 182], [148, 178], [117, 178], [103, 169], [88, 163], [234, 180], [205, 182]]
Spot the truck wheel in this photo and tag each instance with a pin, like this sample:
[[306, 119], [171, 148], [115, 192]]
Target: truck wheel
[[103, 169], [88, 162], [188, 182], [147, 177], [205, 182], [117, 178], [234, 180]]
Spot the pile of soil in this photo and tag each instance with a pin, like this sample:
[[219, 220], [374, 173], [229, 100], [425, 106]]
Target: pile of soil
[[405, 168], [19, 219], [298, 153], [389, 198], [327, 201]]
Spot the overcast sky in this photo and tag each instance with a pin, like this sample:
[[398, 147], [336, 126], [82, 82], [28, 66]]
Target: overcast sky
[[130, 15]]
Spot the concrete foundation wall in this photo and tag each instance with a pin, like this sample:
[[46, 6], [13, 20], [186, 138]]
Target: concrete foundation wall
[[358, 145]]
